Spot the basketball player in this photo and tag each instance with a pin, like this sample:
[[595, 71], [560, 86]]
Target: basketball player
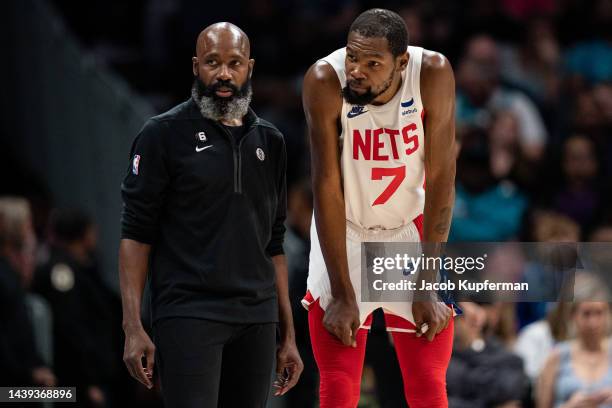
[[381, 119]]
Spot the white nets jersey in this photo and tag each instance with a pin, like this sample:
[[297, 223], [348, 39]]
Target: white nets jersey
[[383, 173], [383, 152]]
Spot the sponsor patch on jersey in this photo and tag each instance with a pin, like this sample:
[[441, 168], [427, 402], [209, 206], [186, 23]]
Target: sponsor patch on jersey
[[135, 164], [408, 107], [407, 104]]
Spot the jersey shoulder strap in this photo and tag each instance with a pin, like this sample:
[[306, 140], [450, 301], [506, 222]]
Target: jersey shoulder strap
[[412, 77], [336, 60]]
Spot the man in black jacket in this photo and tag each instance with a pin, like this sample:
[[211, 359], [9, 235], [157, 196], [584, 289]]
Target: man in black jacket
[[85, 348], [204, 207]]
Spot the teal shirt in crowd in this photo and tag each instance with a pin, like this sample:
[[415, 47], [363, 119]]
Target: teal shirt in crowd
[[494, 215], [591, 60]]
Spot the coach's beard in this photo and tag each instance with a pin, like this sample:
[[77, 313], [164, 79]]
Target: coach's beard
[[218, 108]]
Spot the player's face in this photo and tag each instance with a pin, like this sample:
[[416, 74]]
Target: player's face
[[223, 66], [370, 68]]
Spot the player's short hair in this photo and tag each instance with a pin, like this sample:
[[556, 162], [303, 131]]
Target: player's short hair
[[377, 22]]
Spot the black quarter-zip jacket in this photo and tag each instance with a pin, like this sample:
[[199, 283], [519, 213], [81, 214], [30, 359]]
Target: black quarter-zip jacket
[[213, 211]]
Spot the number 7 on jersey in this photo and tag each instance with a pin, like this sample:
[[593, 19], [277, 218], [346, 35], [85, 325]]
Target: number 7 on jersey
[[398, 174]]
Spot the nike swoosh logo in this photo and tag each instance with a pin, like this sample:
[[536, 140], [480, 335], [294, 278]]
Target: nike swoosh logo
[[407, 103], [199, 149], [353, 114]]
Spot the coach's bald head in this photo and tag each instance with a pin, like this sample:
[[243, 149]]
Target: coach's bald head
[[226, 35]]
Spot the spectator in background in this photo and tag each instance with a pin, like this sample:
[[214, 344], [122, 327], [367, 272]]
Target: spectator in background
[[579, 195], [86, 312], [602, 95], [508, 161], [504, 144], [596, 255], [590, 62], [482, 373], [541, 275], [536, 340], [501, 323], [522, 9], [480, 95], [602, 233], [578, 373], [533, 66], [592, 117], [20, 363], [587, 117], [485, 208]]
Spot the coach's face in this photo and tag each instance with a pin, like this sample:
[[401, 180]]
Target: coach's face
[[222, 63], [371, 68]]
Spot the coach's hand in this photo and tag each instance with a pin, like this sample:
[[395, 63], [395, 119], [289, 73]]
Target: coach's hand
[[435, 315], [139, 345], [342, 320], [289, 367]]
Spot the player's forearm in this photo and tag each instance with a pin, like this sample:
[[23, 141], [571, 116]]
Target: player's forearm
[[439, 201], [330, 218], [284, 305], [438, 93], [133, 266]]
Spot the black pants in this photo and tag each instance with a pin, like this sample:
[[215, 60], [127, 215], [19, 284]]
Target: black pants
[[203, 363]]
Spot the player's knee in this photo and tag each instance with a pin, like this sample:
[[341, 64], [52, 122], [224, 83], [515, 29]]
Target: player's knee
[[427, 391], [338, 390]]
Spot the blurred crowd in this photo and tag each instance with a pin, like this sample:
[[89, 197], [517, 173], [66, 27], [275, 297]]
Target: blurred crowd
[[60, 324], [534, 131]]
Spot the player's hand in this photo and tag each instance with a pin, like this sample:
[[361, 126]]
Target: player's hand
[[139, 345], [289, 367], [342, 320], [430, 318]]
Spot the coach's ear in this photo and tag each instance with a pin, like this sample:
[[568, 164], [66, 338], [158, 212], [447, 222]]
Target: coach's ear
[[251, 65], [194, 65], [402, 61]]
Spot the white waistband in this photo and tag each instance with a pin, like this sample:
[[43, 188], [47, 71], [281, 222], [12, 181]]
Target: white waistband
[[408, 232]]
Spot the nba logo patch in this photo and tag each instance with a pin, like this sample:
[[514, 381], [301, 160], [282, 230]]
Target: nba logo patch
[[135, 164]]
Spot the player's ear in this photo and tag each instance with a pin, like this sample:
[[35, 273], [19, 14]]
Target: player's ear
[[402, 61], [251, 65], [194, 66]]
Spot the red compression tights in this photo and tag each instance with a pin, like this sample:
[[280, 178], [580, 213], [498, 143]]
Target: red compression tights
[[423, 364]]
